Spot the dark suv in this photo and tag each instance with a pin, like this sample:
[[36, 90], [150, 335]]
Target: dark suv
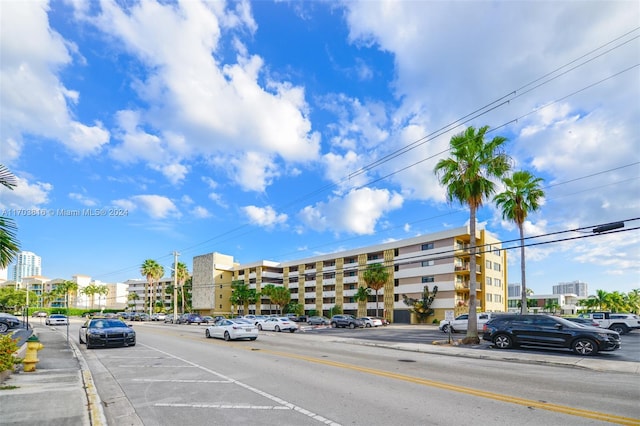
[[346, 321], [507, 331]]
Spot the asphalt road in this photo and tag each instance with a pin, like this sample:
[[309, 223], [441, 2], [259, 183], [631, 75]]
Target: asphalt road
[[174, 375], [630, 350]]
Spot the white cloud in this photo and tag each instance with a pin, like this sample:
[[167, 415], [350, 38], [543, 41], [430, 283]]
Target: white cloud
[[200, 212], [357, 212], [208, 107], [253, 171], [156, 206], [264, 216], [25, 195], [32, 56], [83, 199]]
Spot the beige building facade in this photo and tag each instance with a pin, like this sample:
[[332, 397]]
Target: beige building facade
[[320, 283]]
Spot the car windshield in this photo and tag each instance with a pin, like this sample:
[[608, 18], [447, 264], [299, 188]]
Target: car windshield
[[106, 323]]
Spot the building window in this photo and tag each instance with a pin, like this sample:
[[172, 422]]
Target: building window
[[496, 266], [428, 279], [497, 282], [496, 251], [428, 262], [488, 280], [396, 282], [374, 256], [497, 298], [488, 264], [489, 297], [427, 246]]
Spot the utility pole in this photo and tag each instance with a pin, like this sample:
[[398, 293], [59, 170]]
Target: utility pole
[[175, 286]]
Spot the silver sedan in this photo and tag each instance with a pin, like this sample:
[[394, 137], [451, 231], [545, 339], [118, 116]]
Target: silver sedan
[[229, 329]]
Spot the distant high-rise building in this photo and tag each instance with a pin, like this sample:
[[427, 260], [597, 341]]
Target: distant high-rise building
[[514, 290], [575, 287], [27, 264]]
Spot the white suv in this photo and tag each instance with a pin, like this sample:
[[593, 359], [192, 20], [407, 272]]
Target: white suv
[[461, 321]]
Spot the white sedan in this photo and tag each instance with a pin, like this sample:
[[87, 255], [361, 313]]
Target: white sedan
[[371, 321], [229, 329], [278, 324], [57, 319]]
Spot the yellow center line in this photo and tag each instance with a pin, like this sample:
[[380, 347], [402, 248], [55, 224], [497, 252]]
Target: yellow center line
[[612, 418], [588, 414]]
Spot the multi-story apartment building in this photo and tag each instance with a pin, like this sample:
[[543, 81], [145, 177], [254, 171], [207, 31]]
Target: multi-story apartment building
[[143, 293], [27, 264], [320, 283], [581, 289]]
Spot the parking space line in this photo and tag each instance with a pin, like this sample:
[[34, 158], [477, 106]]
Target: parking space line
[[225, 406], [180, 381], [280, 401]]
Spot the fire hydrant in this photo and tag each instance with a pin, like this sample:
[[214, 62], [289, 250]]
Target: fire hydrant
[[31, 356]]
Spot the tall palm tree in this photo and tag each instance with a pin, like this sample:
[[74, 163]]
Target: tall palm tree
[[521, 196], [267, 291], [240, 295], [182, 274], [376, 276], [102, 290], [132, 297], [157, 275], [148, 269], [281, 296], [601, 299], [468, 177], [361, 295], [90, 291], [9, 245]]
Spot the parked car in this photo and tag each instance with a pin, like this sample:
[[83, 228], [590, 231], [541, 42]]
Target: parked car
[[190, 319], [277, 324], [229, 329], [140, 316], [292, 316], [168, 319], [371, 321], [583, 321], [508, 331], [346, 321], [57, 319], [316, 320], [106, 332], [461, 321], [160, 316], [8, 321], [384, 320], [39, 314]]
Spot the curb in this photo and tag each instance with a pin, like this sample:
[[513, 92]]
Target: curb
[[94, 404]]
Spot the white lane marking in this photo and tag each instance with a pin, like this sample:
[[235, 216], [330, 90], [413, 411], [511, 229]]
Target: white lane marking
[[154, 366], [273, 398], [180, 381], [224, 406]]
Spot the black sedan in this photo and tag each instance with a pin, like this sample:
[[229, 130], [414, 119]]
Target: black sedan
[[106, 332], [507, 331], [8, 321]]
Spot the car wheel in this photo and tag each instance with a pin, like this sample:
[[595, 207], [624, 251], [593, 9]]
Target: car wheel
[[292, 330], [88, 345], [277, 328], [260, 327], [227, 337], [584, 347], [445, 328], [334, 325], [502, 341], [619, 328], [252, 338], [207, 333], [80, 339], [368, 325], [352, 325]]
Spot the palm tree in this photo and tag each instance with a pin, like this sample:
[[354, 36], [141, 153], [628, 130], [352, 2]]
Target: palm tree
[[9, 245], [376, 276], [182, 274], [267, 291], [633, 301], [149, 269], [281, 296], [361, 296], [601, 299], [468, 175], [90, 291], [521, 196], [240, 295], [422, 307], [132, 297], [102, 290]]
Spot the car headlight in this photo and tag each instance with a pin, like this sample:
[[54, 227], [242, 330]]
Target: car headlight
[[604, 336]]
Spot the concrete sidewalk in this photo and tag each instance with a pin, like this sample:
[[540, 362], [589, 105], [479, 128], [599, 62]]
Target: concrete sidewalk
[[59, 392]]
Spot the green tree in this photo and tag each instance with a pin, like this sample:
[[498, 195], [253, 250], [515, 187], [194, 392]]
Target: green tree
[[633, 301], [150, 269], [281, 296], [102, 290], [182, 274], [601, 299], [552, 306], [468, 177], [421, 307], [376, 276], [361, 296], [90, 291], [267, 291], [68, 289], [240, 295], [9, 245], [131, 298], [522, 195]]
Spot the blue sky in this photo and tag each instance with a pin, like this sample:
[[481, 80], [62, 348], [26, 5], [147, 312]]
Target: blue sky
[[282, 130]]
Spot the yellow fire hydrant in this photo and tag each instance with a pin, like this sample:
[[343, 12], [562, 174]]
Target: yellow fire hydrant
[[31, 356]]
